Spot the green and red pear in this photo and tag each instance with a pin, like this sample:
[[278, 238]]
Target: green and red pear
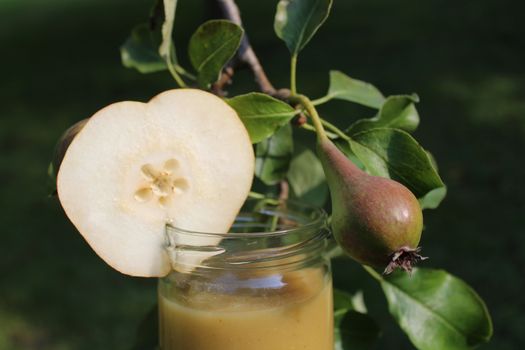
[[377, 221]]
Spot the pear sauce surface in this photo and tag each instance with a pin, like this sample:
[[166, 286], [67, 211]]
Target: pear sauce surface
[[274, 311]]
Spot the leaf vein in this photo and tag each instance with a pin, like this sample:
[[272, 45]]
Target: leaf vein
[[392, 168], [308, 18], [441, 318], [270, 115], [215, 53]]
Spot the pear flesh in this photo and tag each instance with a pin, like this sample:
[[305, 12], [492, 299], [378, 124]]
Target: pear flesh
[[377, 221], [184, 158]]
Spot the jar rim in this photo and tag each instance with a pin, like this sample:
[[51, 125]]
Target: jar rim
[[300, 231], [319, 220]]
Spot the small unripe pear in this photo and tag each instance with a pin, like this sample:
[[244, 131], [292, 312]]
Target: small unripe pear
[[377, 221]]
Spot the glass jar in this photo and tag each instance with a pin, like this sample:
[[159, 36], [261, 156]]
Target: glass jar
[[266, 285]]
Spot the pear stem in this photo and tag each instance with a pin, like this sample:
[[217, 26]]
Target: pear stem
[[335, 130], [312, 112], [293, 70]]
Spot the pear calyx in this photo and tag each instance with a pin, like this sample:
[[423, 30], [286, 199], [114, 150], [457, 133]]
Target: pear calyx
[[405, 258]]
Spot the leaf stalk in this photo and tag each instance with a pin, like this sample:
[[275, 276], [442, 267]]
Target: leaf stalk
[[335, 130], [321, 100], [174, 73], [293, 72]]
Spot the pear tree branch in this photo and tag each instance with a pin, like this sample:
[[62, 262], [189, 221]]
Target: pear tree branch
[[245, 54]]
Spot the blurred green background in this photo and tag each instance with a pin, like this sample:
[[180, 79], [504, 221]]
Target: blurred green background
[[60, 63]]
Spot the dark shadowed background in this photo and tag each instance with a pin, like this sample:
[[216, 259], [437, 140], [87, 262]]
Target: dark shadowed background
[[60, 63]]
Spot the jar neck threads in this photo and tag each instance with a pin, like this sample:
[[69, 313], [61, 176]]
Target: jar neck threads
[[266, 234]]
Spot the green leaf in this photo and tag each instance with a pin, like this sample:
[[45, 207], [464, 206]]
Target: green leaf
[[140, 51], [296, 21], [166, 48], [211, 46], [273, 156], [261, 114], [346, 301], [307, 179], [433, 160], [346, 148], [437, 310], [353, 328], [433, 198], [395, 154], [343, 87], [397, 112]]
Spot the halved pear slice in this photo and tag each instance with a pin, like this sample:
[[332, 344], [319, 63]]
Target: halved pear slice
[[183, 158]]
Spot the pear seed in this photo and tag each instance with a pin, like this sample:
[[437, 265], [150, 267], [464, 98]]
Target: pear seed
[[180, 185], [148, 172], [143, 195], [165, 201], [170, 165]]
